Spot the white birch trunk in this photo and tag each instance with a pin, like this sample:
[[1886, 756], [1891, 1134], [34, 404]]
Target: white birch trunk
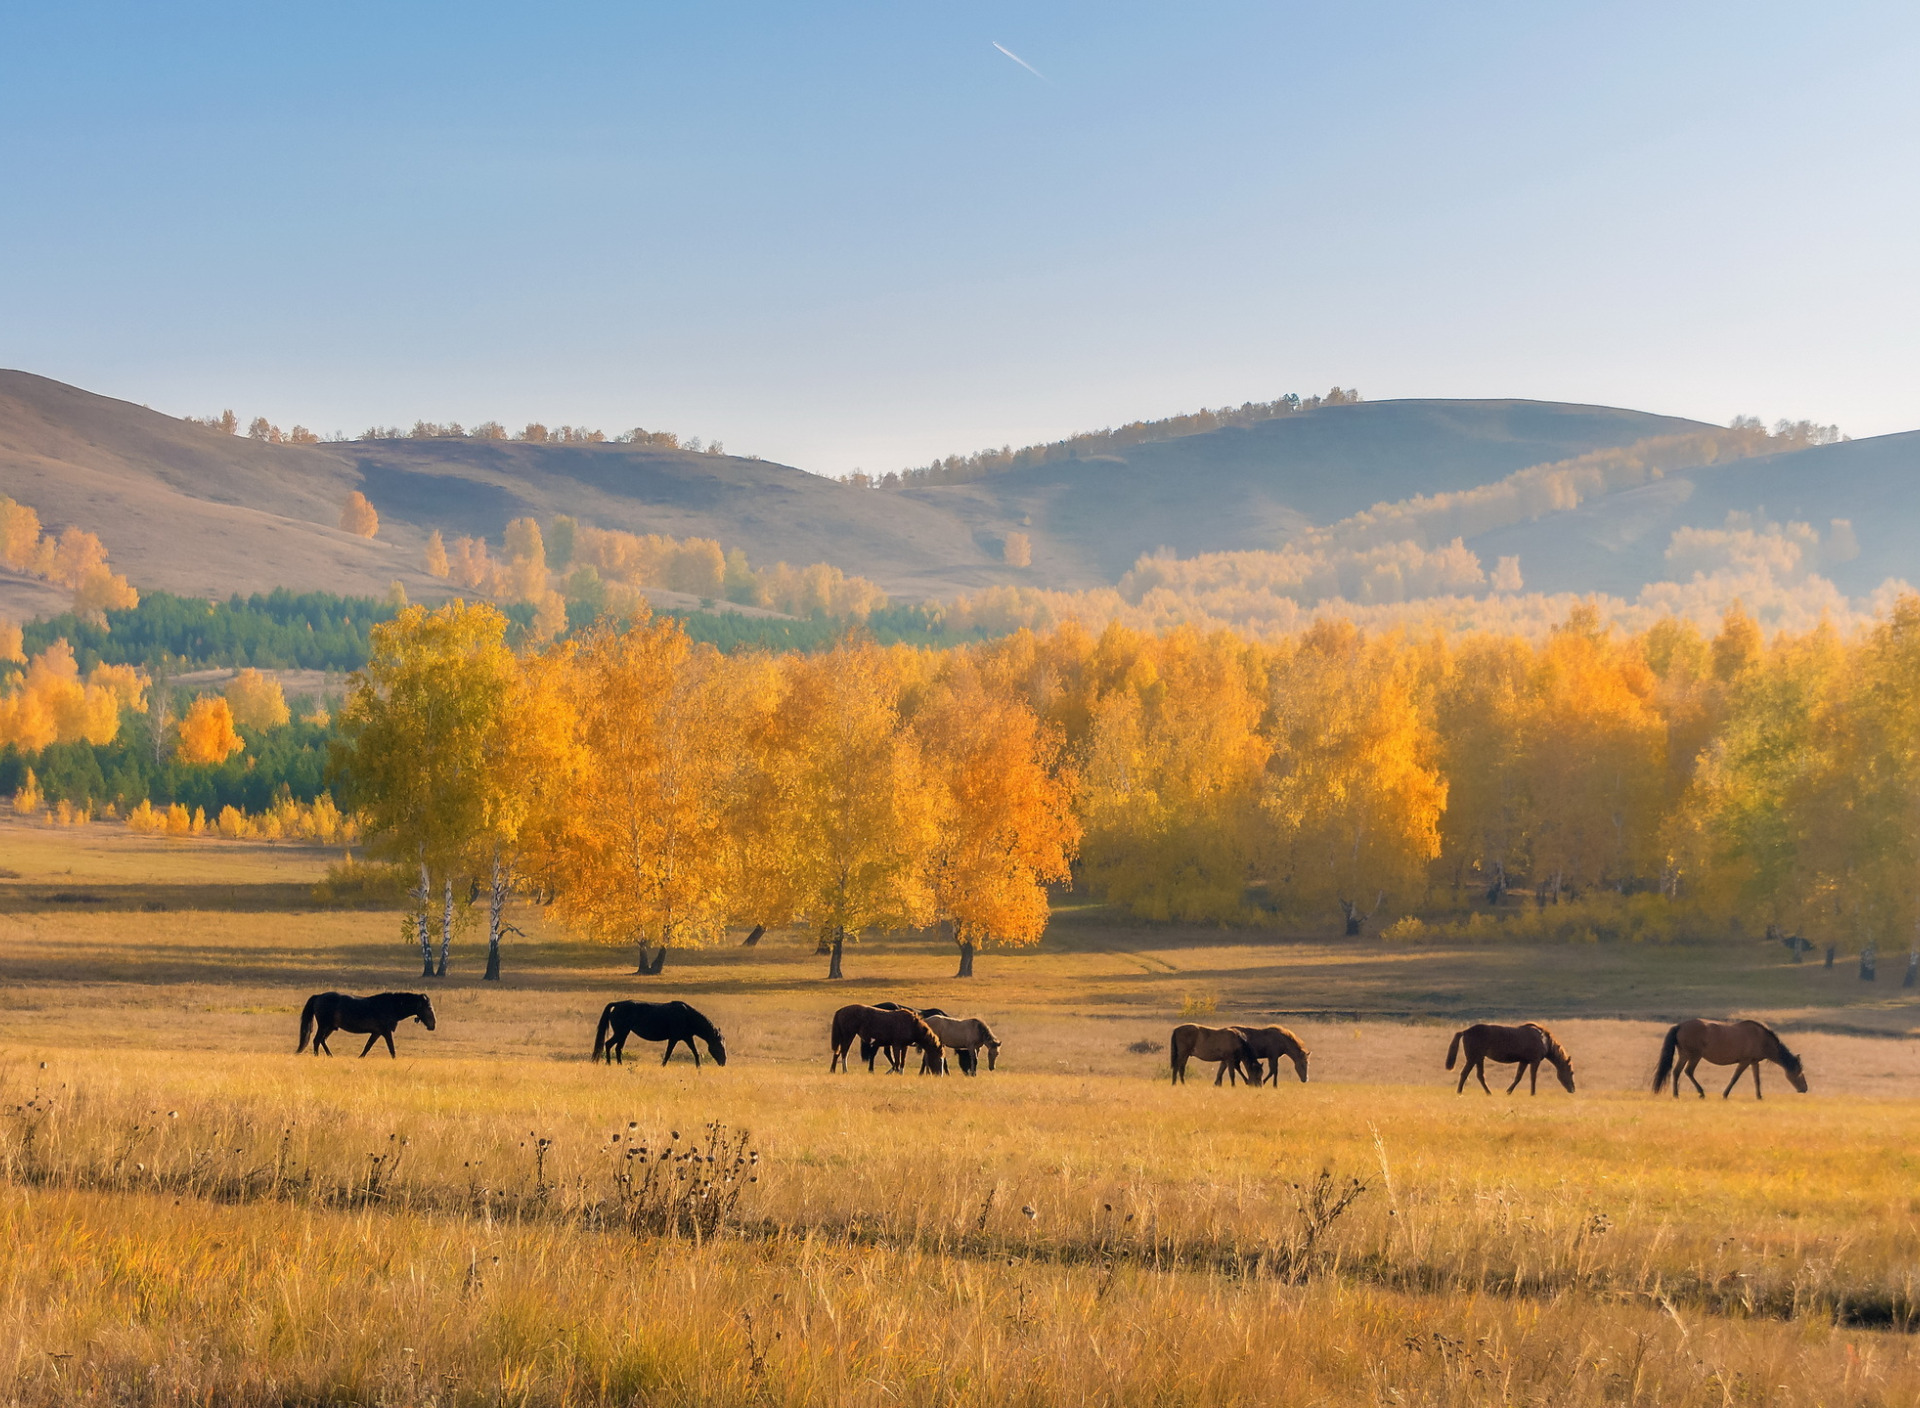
[[424, 921], [496, 908], [446, 929]]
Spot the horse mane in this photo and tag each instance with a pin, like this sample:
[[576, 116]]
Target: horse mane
[[1787, 1058]]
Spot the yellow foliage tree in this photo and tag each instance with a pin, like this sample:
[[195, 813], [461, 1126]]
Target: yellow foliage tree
[[1006, 823], [437, 564], [1353, 790], [358, 517], [856, 797], [422, 725], [256, 700], [1171, 771], [641, 855], [207, 734]]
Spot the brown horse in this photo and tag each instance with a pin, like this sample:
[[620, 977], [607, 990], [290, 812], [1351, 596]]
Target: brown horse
[[890, 1031], [1525, 1046], [1226, 1045], [1737, 1044], [1269, 1044]]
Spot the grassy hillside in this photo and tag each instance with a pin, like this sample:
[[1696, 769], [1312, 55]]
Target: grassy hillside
[[1260, 486], [1620, 542], [195, 511]]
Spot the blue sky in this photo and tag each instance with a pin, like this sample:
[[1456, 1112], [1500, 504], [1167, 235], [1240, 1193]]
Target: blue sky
[[848, 235]]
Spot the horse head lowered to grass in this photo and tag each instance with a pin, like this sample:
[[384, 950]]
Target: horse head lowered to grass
[[1737, 1044], [671, 1022]]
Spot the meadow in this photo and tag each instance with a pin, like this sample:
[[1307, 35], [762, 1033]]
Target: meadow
[[192, 1213]]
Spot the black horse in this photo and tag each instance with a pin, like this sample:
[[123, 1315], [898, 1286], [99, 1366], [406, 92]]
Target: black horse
[[671, 1022], [330, 1012]]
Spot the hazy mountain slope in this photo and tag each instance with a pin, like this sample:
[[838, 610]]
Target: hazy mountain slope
[[1257, 486], [1620, 542], [194, 511]]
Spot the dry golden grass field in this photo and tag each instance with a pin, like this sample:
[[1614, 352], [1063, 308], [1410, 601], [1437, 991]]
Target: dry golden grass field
[[190, 1213]]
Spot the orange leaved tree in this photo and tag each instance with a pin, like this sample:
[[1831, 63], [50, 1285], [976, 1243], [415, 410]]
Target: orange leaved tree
[[207, 734], [856, 796], [1006, 823]]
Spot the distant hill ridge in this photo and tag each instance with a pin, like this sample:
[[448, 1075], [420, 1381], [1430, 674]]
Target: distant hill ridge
[[188, 509]]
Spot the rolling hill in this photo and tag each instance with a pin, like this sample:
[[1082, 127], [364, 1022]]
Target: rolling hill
[[195, 511]]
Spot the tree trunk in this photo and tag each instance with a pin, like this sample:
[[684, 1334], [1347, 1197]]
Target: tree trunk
[[1352, 911], [424, 921], [966, 959], [833, 966], [496, 905], [659, 962], [753, 939], [446, 929]]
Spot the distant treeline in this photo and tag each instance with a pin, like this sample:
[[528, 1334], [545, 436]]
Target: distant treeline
[[533, 433], [280, 630], [290, 760], [283, 630], [277, 630], [983, 464]]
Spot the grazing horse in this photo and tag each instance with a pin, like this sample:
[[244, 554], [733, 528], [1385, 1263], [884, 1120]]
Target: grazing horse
[[671, 1022], [891, 1029], [330, 1012], [1223, 1044], [1269, 1044], [1737, 1044], [964, 1036], [1524, 1046]]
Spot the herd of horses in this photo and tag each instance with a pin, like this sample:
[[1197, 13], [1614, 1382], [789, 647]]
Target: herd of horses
[[1252, 1054]]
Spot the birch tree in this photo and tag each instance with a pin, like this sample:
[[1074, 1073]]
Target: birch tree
[[421, 722], [640, 852]]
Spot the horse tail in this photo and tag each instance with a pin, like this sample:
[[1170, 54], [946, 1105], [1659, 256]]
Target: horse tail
[[603, 1031], [1667, 1048], [306, 1024], [1453, 1051]]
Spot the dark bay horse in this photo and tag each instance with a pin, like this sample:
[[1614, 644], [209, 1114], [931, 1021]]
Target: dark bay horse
[[877, 1029], [330, 1012], [671, 1022], [965, 1037], [1226, 1045], [1270, 1044], [1737, 1044], [1524, 1046]]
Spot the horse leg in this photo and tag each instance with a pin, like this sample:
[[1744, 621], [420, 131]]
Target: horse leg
[[369, 1046], [1738, 1071], [672, 1041], [1519, 1074], [1480, 1072], [392, 1055], [1692, 1065], [696, 1053], [1465, 1071], [1756, 1080]]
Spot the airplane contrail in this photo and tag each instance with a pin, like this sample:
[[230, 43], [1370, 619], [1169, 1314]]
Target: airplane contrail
[[1017, 59]]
